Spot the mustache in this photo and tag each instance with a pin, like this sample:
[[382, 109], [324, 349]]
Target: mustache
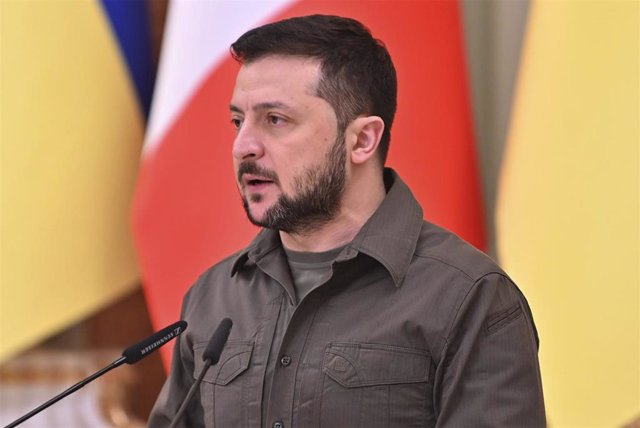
[[255, 169]]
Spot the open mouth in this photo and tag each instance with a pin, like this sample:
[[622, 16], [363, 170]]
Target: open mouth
[[257, 182]]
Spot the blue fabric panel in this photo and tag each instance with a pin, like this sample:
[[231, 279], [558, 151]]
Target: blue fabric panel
[[130, 22]]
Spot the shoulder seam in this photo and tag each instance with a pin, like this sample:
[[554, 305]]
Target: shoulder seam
[[445, 263]]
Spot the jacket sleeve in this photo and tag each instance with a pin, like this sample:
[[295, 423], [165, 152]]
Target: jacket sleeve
[[175, 388], [488, 374]]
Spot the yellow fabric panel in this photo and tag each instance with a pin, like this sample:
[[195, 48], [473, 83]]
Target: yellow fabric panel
[[71, 137], [568, 212]]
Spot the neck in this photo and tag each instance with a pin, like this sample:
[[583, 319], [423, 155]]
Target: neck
[[362, 197]]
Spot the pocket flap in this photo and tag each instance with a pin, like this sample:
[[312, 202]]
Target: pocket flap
[[353, 364], [234, 360]]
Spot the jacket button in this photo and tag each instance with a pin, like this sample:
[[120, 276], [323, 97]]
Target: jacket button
[[278, 424], [285, 361]]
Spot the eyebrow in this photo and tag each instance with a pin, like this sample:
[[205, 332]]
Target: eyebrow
[[262, 106]]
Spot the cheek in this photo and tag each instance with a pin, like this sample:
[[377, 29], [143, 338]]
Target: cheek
[[286, 175], [295, 173], [293, 157]]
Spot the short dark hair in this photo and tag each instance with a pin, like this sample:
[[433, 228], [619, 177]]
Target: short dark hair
[[358, 76]]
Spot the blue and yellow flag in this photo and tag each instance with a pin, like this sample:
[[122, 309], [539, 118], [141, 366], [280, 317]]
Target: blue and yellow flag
[[76, 84]]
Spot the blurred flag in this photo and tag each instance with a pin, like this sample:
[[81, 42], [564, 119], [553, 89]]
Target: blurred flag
[[188, 214], [73, 97], [569, 206]]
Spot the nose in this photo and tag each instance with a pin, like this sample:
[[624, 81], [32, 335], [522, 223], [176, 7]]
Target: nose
[[247, 144]]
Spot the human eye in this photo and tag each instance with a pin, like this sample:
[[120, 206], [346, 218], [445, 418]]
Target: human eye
[[236, 122], [276, 120]]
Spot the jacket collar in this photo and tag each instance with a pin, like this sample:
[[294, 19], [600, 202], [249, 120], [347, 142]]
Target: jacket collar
[[389, 236]]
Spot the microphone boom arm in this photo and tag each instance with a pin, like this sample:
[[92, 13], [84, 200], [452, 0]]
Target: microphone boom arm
[[67, 391], [131, 355]]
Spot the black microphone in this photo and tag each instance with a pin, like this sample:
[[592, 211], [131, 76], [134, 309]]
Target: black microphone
[[210, 356], [135, 353], [131, 355]]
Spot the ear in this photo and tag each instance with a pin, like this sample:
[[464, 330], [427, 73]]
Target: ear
[[364, 133]]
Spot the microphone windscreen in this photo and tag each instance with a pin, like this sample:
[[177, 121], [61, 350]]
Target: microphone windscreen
[[135, 353], [216, 343]]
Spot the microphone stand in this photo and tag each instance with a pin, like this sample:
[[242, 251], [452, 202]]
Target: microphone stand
[[131, 355], [68, 391], [210, 356], [190, 395]]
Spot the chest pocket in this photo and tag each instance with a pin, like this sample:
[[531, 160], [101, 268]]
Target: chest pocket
[[224, 386], [374, 385]]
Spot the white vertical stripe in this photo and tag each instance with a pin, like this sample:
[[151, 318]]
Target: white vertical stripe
[[197, 38]]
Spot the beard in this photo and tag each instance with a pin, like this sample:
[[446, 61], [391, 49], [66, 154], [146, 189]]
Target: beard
[[317, 196]]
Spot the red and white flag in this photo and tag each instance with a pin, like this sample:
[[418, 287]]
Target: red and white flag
[[187, 211]]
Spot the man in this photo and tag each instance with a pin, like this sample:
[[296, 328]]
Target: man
[[349, 310]]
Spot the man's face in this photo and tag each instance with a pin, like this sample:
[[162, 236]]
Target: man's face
[[289, 161]]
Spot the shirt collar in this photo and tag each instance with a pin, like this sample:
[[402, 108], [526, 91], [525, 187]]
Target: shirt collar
[[266, 241], [389, 236]]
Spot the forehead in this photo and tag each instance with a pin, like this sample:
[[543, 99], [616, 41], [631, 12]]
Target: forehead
[[278, 75]]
